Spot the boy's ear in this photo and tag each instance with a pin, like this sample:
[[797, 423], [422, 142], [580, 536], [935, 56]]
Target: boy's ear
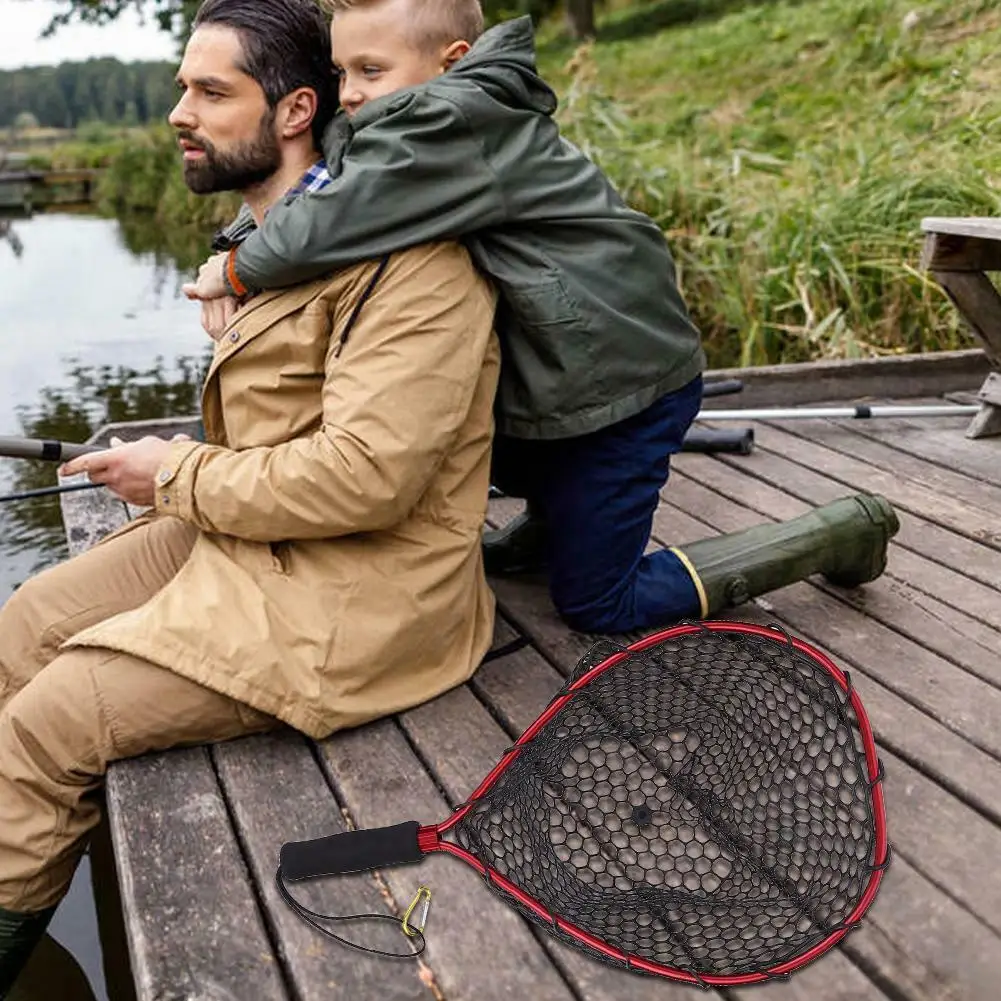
[[296, 111], [453, 54]]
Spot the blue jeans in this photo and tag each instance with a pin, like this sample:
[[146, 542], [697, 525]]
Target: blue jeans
[[598, 494]]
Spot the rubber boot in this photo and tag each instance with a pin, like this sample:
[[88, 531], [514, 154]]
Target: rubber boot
[[19, 934], [517, 548], [845, 540]]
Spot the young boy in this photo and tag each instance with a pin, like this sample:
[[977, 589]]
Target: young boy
[[447, 131]]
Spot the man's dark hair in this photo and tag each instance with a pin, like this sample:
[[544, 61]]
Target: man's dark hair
[[286, 45]]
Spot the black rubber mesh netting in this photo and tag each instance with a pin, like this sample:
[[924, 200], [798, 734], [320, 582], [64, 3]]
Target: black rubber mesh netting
[[703, 804]]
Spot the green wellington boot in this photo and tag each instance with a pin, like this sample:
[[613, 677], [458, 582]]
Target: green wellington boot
[[19, 934], [517, 548], [845, 540]]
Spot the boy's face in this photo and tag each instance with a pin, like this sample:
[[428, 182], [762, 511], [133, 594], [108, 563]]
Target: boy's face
[[374, 55]]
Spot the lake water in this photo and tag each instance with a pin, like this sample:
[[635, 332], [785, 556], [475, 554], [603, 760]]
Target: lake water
[[91, 326]]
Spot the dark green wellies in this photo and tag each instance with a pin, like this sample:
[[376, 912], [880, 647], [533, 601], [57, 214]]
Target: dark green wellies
[[845, 540], [19, 934]]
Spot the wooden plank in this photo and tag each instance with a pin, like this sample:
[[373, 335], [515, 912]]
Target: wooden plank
[[939, 495], [517, 688], [795, 465], [383, 783], [790, 385], [979, 304], [986, 423], [955, 252], [278, 793], [973, 493], [990, 391], [940, 442], [923, 944], [193, 923], [984, 227], [960, 634]]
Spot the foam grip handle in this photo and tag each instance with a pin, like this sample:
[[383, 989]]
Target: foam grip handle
[[712, 440], [352, 851]]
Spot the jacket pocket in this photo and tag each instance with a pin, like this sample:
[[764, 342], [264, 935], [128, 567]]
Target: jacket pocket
[[546, 346]]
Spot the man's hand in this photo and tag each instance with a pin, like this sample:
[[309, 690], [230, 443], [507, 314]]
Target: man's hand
[[129, 471], [211, 282], [216, 314]]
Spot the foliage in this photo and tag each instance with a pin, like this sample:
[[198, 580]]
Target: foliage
[[97, 90], [145, 177], [786, 149]]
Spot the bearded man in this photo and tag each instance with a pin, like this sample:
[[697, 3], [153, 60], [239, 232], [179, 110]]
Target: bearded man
[[316, 560]]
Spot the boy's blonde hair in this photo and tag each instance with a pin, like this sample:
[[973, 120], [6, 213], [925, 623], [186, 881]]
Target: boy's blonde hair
[[432, 23]]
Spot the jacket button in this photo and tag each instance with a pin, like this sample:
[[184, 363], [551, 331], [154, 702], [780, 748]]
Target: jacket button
[[235, 336], [165, 476]]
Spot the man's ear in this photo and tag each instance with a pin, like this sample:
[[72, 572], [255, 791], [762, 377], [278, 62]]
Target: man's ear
[[296, 112], [453, 54]]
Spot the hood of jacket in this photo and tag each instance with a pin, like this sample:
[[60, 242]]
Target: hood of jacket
[[502, 63]]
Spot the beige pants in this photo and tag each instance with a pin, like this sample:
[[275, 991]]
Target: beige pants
[[65, 716]]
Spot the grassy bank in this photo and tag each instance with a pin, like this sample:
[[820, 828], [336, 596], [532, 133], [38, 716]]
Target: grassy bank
[[788, 149]]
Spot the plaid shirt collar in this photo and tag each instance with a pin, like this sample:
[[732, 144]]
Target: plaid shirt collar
[[317, 177]]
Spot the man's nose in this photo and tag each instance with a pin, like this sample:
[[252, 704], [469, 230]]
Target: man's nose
[[181, 117]]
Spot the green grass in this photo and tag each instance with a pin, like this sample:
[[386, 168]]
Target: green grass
[[790, 151]]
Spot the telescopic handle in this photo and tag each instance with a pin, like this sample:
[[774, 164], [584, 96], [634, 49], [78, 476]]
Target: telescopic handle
[[352, 851], [51, 451]]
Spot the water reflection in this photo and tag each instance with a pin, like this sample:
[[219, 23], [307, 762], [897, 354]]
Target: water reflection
[[72, 412], [9, 234], [93, 328]]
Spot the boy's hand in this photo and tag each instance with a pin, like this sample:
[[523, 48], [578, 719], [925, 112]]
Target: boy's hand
[[211, 282], [129, 471]]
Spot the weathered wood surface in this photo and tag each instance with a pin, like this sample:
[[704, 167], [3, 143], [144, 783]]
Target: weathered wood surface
[[985, 227], [959, 253], [197, 832]]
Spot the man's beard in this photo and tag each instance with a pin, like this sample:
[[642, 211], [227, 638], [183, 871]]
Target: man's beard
[[249, 164]]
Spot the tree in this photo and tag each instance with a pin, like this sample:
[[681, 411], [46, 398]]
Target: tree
[[25, 120], [174, 16]]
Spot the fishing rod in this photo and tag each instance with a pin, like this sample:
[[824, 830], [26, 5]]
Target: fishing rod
[[38, 448], [48, 451]]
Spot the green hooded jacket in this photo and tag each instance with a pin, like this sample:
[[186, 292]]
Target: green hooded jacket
[[592, 325]]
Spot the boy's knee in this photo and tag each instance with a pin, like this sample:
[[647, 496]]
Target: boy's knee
[[597, 615]]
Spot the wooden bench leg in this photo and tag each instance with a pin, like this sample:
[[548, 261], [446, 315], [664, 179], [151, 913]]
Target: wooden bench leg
[[978, 302], [988, 421]]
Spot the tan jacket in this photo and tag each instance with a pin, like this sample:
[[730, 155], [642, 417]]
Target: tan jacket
[[341, 493]]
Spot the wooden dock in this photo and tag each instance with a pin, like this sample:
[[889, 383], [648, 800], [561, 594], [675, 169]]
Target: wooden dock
[[23, 189], [197, 832]]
